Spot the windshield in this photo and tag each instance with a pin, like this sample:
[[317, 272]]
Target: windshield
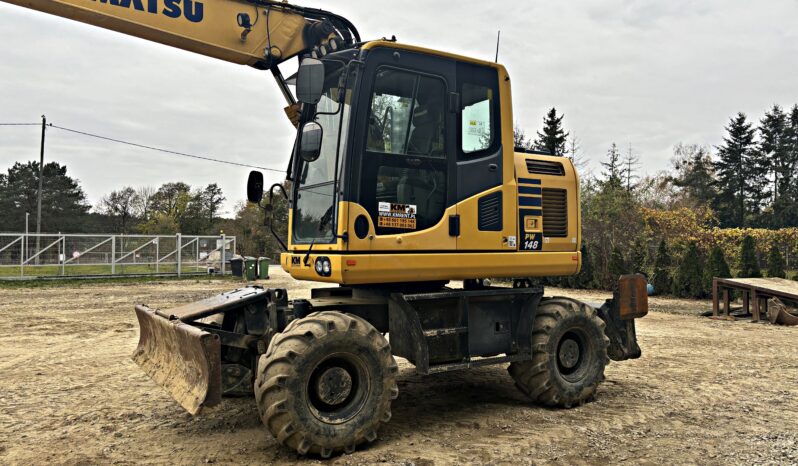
[[315, 205]]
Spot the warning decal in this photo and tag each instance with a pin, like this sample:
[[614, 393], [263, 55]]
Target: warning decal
[[402, 216]]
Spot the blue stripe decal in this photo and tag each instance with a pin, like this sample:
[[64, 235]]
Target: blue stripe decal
[[529, 201], [528, 181], [529, 190]]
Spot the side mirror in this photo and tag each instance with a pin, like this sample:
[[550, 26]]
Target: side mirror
[[310, 81], [310, 144], [255, 187]]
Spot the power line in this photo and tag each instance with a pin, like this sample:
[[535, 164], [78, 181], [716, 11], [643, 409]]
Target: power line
[[166, 151], [143, 146]]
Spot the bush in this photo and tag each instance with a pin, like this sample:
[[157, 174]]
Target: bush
[[689, 281], [717, 267], [776, 263], [749, 265], [661, 278], [638, 257]]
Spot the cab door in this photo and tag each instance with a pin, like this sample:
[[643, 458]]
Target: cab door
[[406, 177]]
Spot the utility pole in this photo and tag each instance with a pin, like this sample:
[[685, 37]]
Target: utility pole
[[39, 196]]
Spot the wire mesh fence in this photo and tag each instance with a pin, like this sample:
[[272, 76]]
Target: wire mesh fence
[[61, 255]]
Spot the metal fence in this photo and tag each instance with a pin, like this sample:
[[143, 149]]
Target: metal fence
[[60, 255]]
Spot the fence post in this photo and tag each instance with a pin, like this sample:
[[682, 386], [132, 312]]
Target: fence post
[[62, 256], [22, 241], [179, 245], [224, 252], [157, 254], [113, 254]]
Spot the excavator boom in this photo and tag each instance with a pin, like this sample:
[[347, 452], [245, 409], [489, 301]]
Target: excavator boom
[[259, 33]]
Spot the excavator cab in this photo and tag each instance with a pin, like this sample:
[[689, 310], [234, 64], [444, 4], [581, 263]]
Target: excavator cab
[[405, 155]]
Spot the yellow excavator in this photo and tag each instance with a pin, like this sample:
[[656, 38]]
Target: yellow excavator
[[403, 177]]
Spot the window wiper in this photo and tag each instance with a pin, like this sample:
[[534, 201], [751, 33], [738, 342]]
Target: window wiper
[[306, 260]]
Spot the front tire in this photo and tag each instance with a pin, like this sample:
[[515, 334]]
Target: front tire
[[326, 384], [569, 353]]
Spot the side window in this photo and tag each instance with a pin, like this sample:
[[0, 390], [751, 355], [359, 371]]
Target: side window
[[477, 117], [405, 165]]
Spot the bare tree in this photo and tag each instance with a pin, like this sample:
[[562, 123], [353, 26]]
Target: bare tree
[[630, 165], [119, 206], [143, 205], [574, 152]]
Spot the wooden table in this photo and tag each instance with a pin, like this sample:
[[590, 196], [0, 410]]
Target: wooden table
[[755, 291]]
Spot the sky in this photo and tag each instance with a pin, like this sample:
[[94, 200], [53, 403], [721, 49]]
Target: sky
[[649, 73]]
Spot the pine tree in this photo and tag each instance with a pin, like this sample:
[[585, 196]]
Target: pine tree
[[661, 280], [772, 161], [718, 267], [736, 175], [786, 206], [520, 140], [776, 263], [613, 168], [689, 281], [554, 138], [638, 256], [749, 264]]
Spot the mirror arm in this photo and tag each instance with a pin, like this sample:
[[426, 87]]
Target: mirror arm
[[270, 208]]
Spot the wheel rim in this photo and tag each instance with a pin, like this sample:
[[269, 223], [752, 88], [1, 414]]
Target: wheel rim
[[338, 388], [573, 355]]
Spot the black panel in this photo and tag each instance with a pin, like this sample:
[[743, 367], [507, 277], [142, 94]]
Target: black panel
[[490, 212], [361, 226], [555, 213], [479, 175]]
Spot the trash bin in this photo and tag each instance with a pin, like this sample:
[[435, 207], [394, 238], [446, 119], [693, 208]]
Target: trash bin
[[250, 268], [237, 266], [263, 268]]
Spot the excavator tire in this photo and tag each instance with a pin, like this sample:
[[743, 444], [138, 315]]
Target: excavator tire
[[569, 353], [326, 384]]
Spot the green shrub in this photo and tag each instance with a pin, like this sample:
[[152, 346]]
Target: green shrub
[[776, 263], [689, 282], [749, 265], [617, 265]]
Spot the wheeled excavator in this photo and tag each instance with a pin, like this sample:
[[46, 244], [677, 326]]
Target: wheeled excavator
[[403, 177]]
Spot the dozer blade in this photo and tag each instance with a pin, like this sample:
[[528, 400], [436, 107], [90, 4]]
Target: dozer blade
[[185, 360]]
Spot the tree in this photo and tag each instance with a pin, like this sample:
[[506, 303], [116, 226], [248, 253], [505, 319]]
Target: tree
[[771, 156], [694, 175], [749, 264], [736, 175], [574, 152], [520, 140], [119, 205], [661, 280], [613, 174], [630, 164], [617, 265], [689, 282], [168, 208], [584, 279], [553, 138], [717, 266], [776, 263], [64, 206], [785, 208], [142, 204], [638, 256]]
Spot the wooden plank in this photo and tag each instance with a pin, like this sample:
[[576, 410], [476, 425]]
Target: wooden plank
[[775, 286], [726, 302], [714, 296], [755, 299], [746, 302]]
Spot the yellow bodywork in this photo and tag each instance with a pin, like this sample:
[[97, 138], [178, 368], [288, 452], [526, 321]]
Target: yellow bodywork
[[432, 254], [207, 27]]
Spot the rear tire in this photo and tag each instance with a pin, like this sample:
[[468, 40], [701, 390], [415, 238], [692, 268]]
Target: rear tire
[[569, 353], [326, 384]]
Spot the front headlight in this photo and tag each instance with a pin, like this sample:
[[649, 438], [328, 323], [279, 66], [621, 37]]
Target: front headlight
[[326, 267]]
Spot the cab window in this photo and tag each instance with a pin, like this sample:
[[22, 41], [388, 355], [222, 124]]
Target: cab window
[[477, 118]]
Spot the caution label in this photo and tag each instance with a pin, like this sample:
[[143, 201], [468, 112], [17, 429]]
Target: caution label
[[400, 216]]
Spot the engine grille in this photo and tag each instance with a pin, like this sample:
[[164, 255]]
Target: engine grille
[[490, 212], [544, 167], [555, 213]]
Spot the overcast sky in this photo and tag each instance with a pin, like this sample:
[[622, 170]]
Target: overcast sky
[[649, 72]]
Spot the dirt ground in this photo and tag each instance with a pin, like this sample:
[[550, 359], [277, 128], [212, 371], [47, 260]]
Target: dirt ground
[[705, 391]]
